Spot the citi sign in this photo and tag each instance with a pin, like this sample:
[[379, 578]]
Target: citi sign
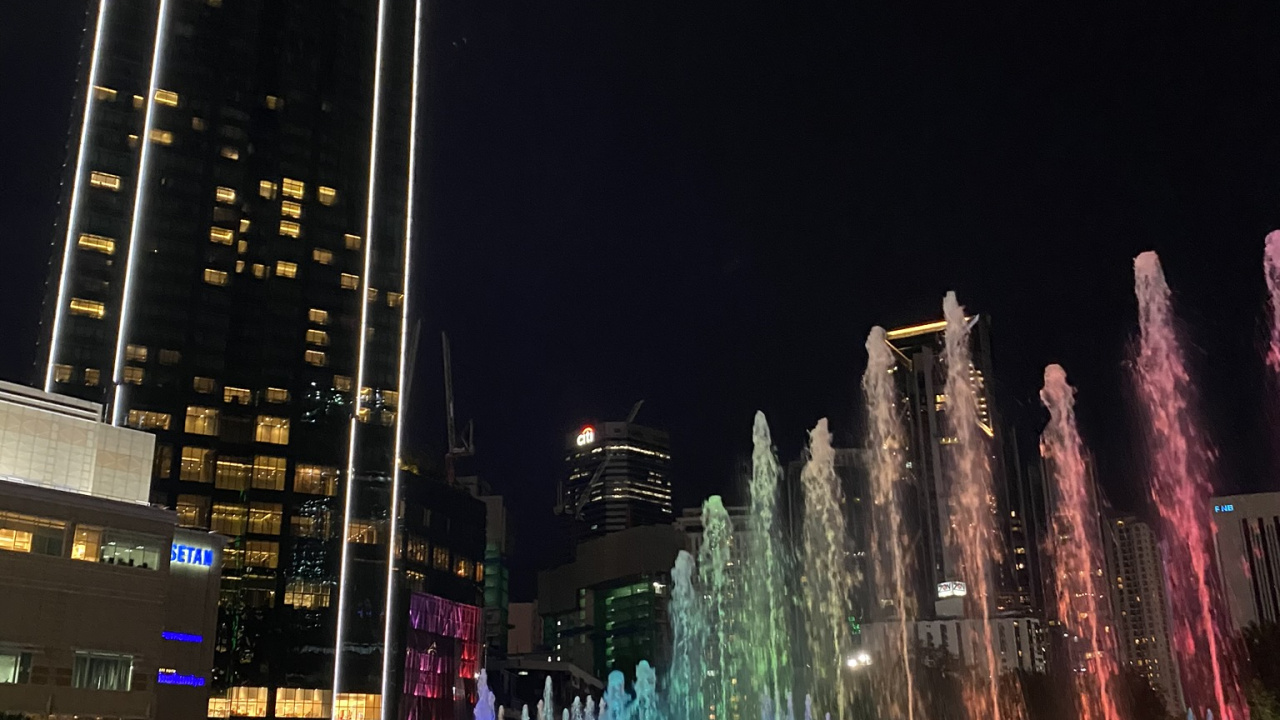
[[586, 436], [187, 555]]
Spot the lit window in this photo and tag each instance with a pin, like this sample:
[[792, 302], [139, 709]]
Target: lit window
[[135, 353], [352, 242], [462, 567], [289, 208], [92, 376], [236, 395], [225, 195], [316, 358], [97, 243], [314, 525], [357, 706], [317, 337], [101, 671], [88, 308], [440, 558], [137, 102], [230, 153], [293, 188], [290, 228], [286, 269], [273, 103], [167, 97], [262, 554], [229, 519], [395, 299], [133, 375], [273, 430], [145, 420], [371, 294], [31, 534], [232, 473], [221, 235], [104, 93], [350, 282], [197, 465], [202, 384], [259, 270], [342, 383], [61, 373], [265, 518], [239, 266], [170, 357], [305, 594], [267, 189], [106, 181], [244, 228], [315, 480], [276, 395], [161, 137], [391, 398], [268, 472], [317, 316], [326, 195], [201, 420], [193, 511], [198, 124], [162, 462], [322, 256], [215, 277], [364, 532]]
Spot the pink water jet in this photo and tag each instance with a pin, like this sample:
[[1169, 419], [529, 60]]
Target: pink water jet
[[1076, 549], [1271, 267], [1181, 462]]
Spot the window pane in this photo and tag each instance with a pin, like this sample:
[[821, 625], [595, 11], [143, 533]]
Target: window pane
[[197, 464], [31, 534], [88, 544], [15, 667], [265, 518], [273, 430], [132, 549], [193, 511], [201, 420], [268, 472], [232, 473], [315, 480], [229, 519], [100, 671]]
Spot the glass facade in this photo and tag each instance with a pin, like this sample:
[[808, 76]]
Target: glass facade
[[240, 183], [619, 477]]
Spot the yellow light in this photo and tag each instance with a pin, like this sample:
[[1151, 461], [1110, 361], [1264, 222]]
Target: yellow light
[[293, 188], [215, 277], [230, 153], [167, 97], [350, 282], [286, 269], [161, 137], [97, 243], [267, 189], [88, 308], [225, 195], [326, 195], [290, 228], [107, 181], [221, 235], [317, 316], [352, 241], [915, 330], [288, 208], [104, 93]]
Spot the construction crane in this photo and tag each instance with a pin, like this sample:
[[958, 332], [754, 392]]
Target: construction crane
[[584, 495], [459, 447]]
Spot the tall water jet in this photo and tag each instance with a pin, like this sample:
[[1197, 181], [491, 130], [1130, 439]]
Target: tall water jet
[[891, 563], [715, 560], [1271, 268], [484, 697], [684, 685], [769, 641], [1181, 460], [828, 576], [1077, 551], [972, 534]]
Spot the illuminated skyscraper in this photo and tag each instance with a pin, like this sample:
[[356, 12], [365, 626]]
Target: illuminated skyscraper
[[230, 273], [619, 477]]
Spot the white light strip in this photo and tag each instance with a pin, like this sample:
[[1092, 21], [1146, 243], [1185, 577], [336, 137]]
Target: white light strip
[[364, 333], [122, 339], [388, 707], [68, 252]]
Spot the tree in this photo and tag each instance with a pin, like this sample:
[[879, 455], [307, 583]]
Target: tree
[[1263, 703]]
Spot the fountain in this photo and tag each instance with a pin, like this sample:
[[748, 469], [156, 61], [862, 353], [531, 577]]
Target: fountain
[[1077, 554], [1181, 463], [1271, 268]]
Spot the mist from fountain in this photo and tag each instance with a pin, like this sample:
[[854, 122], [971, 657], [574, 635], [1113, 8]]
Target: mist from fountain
[[1181, 462], [892, 564], [765, 567], [1271, 269], [1076, 552]]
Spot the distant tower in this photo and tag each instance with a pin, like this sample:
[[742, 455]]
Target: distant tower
[[619, 476], [1248, 545]]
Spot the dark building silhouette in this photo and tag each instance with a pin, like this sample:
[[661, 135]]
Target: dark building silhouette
[[619, 477]]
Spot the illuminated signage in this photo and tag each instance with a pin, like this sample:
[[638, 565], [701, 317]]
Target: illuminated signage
[[187, 555], [165, 677], [181, 637], [586, 436], [952, 589], [1224, 508]]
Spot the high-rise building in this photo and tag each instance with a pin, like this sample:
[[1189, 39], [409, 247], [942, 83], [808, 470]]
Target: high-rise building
[[1140, 606], [619, 477], [1248, 545], [921, 375], [230, 273]]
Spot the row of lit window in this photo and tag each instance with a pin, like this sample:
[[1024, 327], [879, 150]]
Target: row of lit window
[[263, 518], [263, 472], [222, 278], [296, 703], [204, 421], [207, 385]]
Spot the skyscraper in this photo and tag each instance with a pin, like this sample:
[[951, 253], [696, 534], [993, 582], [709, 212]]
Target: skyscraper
[[1248, 545], [230, 272], [619, 477], [1140, 606], [921, 375]]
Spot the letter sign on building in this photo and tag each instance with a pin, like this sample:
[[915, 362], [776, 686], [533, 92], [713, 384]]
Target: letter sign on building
[[587, 436], [187, 555]]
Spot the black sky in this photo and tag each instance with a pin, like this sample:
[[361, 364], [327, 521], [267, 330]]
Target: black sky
[[707, 204]]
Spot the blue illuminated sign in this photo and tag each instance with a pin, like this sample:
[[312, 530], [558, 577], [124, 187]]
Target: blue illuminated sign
[[187, 555], [173, 678], [1224, 508], [181, 637]]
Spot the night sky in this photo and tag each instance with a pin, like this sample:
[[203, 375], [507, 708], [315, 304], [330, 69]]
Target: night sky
[[706, 205]]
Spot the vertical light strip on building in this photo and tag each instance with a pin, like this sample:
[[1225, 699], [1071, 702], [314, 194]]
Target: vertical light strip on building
[[363, 340], [388, 707], [68, 253], [122, 338]]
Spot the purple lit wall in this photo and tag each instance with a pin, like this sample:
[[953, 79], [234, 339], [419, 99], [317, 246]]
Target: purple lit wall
[[442, 657]]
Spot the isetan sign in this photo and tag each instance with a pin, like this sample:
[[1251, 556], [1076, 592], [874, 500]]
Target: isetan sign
[[187, 555]]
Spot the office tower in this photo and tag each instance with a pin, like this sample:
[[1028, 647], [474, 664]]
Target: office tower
[[619, 477], [229, 272], [101, 590], [499, 531], [1140, 606], [921, 375], [1248, 546]]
